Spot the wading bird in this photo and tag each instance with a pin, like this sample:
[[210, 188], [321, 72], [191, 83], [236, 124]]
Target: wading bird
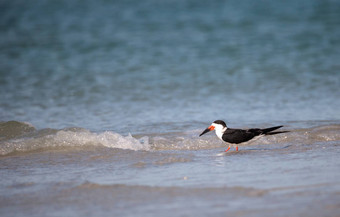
[[238, 136]]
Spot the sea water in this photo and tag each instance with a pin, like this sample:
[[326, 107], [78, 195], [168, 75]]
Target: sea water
[[101, 105]]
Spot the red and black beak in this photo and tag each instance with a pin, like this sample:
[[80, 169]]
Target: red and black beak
[[207, 130]]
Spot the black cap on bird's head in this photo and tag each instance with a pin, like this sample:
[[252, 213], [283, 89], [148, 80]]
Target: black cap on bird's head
[[213, 125], [220, 122]]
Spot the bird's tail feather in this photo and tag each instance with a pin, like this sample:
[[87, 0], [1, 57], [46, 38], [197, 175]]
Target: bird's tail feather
[[268, 131]]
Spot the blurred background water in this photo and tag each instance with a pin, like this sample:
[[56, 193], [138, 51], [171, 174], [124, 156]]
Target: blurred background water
[[127, 65]]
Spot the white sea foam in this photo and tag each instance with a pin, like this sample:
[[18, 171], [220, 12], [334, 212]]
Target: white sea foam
[[71, 138]]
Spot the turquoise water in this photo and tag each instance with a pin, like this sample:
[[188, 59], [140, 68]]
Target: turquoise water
[[78, 77], [123, 65]]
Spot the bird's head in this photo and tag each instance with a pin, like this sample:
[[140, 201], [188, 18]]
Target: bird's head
[[217, 125]]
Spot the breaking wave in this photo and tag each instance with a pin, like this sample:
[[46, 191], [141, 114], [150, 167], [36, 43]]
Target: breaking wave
[[23, 137]]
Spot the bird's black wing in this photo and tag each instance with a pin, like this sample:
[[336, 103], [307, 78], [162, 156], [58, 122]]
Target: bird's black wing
[[237, 136]]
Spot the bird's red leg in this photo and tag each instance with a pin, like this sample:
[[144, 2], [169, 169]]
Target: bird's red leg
[[227, 149], [236, 148]]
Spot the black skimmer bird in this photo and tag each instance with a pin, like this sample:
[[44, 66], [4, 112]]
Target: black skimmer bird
[[238, 136]]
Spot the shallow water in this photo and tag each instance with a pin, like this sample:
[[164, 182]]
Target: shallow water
[[101, 105], [78, 172]]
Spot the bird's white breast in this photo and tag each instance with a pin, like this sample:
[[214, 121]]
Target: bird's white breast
[[219, 132]]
